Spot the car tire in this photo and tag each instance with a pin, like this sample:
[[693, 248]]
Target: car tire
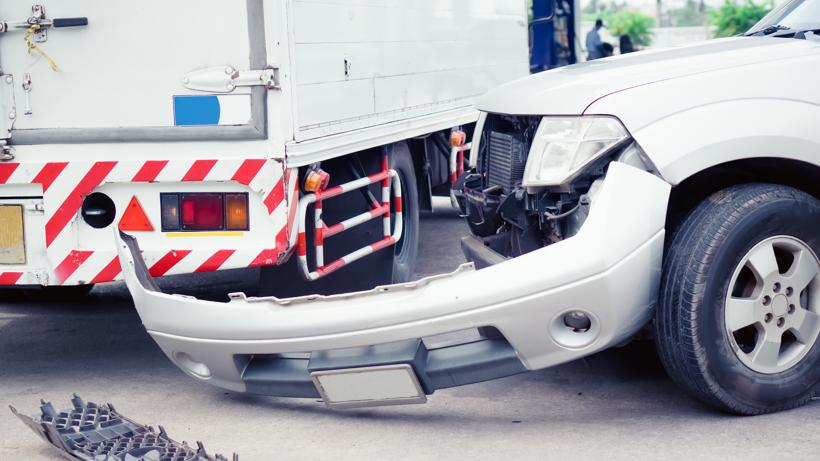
[[733, 261], [406, 250]]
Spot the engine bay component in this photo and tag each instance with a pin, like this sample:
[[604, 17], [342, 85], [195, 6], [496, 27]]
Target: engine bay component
[[91, 432], [515, 216]]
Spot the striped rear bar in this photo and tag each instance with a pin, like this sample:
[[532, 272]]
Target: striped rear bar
[[386, 177], [357, 220], [457, 162]]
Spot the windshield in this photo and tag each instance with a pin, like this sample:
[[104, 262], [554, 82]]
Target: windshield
[[795, 15]]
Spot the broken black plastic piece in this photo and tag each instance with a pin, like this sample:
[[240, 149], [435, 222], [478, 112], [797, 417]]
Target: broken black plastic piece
[[91, 432]]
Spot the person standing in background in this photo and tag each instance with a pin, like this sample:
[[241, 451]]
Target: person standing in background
[[626, 45], [594, 44]]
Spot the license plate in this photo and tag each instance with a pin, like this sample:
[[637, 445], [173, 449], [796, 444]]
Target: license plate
[[12, 238], [368, 387]]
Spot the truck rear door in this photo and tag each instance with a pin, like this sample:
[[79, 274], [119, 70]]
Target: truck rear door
[[148, 70]]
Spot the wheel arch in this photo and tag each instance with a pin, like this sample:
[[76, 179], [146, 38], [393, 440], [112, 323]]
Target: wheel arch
[[697, 187]]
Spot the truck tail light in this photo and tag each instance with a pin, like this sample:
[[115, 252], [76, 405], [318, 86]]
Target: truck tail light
[[204, 211]]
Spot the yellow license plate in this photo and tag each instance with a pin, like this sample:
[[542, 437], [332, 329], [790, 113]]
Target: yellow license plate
[[12, 238]]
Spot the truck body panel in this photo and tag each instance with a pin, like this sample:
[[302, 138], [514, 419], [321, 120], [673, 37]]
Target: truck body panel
[[214, 97]]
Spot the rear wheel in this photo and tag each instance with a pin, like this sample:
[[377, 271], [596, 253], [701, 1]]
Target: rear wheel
[[406, 250], [739, 314]]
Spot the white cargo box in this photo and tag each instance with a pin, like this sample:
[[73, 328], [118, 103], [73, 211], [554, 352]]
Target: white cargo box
[[337, 76]]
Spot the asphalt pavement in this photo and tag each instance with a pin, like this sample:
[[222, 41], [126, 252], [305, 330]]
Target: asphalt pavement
[[614, 405]]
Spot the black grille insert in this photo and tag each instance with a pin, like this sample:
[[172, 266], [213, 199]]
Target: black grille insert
[[506, 160], [506, 144]]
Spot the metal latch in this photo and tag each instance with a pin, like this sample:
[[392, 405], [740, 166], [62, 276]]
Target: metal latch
[[41, 24], [228, 78], [6, 151], [8, 114]]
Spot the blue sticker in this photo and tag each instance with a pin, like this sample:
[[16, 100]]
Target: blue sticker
[[196, 110]]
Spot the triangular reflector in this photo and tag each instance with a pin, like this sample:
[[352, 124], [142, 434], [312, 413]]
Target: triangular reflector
[[134, 218]]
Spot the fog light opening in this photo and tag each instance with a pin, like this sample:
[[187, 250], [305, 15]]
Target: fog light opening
[[187, 363], [577, 321], [575, 329]]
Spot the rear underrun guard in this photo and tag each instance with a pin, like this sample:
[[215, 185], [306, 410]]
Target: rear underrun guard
[[91, 432]]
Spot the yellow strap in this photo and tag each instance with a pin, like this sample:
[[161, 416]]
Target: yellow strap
[[31, 46]]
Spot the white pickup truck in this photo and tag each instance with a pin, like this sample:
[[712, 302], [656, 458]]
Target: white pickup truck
[[674, 191]]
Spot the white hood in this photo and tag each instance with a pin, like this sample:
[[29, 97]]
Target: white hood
[[570, 90]]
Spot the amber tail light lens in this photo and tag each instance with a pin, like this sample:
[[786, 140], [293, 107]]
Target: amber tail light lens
[[236, 211], [204, 211]]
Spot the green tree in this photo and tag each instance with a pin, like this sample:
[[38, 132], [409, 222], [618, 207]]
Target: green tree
[[634, 24], [735, 18], [691, 14]]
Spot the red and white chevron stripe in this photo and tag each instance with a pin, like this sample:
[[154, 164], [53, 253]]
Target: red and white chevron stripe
[[65, 184]]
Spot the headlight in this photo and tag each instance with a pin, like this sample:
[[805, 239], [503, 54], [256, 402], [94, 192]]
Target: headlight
[[563, 146]]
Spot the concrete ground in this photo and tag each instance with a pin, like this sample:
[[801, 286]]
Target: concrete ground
[[615, 405]]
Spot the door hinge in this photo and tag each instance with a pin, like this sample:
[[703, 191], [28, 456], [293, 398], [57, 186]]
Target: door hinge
[[228, 78]]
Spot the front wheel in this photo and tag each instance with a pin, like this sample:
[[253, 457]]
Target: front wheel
[[739, 313]]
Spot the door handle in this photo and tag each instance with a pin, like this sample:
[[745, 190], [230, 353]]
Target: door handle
[[40, 23], [69, 22]]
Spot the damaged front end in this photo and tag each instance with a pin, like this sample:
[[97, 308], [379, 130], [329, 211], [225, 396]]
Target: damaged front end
[[533, 179], [399, 343]]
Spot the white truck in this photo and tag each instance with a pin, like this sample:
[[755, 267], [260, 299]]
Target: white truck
[[198, 125], [674, 191]]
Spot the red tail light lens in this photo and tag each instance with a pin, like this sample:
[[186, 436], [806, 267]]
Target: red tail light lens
[[204, 212], [188, 212]]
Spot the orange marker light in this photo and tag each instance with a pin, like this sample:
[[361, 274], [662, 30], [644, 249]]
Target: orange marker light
[[458, 138], [134, 218], [316, 180], [236, 211]]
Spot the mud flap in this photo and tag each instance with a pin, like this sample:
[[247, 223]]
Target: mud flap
[[91, 432]]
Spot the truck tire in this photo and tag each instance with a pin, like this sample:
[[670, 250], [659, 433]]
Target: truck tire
[[742, 275], [406, 250]]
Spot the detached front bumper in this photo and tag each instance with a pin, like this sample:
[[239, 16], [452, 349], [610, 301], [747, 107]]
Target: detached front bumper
[[610, 270]]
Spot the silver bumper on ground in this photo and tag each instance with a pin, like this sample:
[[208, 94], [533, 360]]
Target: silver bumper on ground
[[610, 270]]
